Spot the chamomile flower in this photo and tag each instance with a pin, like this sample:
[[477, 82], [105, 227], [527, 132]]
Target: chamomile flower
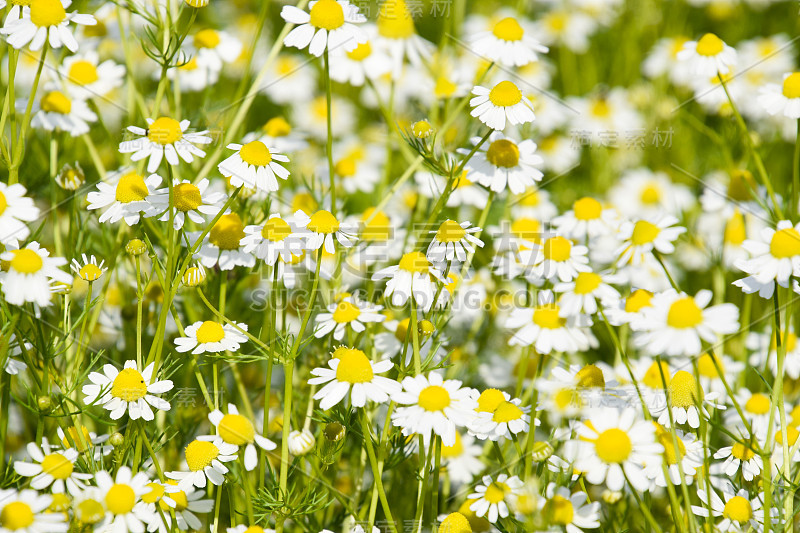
[[432, 404], [582, 294], [211, 337], [351, 371], [493, 497], [683, 456], [223, 244], [122, 496], [462, 459], [587, 219], [57, 111], [167, 138], [502, 103], [214, 48], [758, 413], [322, 227], [275, 238], [677, 323], [329, 25], [254, 166], [184, 504], [52, 468], [87, 78], [557, 257], [190, 201], [738, 511], [127, 390], [708, 56], [453, 241], [508, 44], [774, 258], [398, 37], [26, 511], [17, 210], [643, 237], [544, 327], [84, 441], [30, 273], [413, 277], [125, 196], [628, 309], [348, 313], [89, 270], [44, 20], [764, 348], [740, 455], [365, 61], [504, 163], [783, 99], [614, 445], [685, 400], [238, 430], [507, 418], [205, 457], [570, 510]]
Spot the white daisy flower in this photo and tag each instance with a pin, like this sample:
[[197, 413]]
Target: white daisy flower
[[167, 138], [582, 294], [52, 468], [17, 209], [556, 257], [223, 244], [462, 459], [44, 20], [205, 457], [87, 78], [738, 511], [88, 269], [13, 349], [348, 313], [642, 237], [588, 219], [507, 418], [189, 200], [689, 451], [30, 273], [740, 455], [397, 36], [26, 511], [614, 445], [322, 227], [432, 404], [493, 497], [128, 390], [364, 62], [782, 99], [508, 44], [413, 277], [758, 413], [571, 510], [273, 239], [58, 112], [629, 309], [329, 24], [238, 430], [504, 163], [351, 371], [122, 498], [504, 102], [677, 323], [89, 440], [453, 241], [211, 337], [708, 56], [774, 258], [214, 48], [254, 166], [764, 354], [544, 327], [125, 196], [186, 505], [684, 394]]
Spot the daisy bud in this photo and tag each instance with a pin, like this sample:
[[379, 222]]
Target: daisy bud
[[541, 451], [301, 442], [426, 328], [194, 276], [611, 496], [136, 247], [116, 439], [455, 523], [422, 129], [334, 432], [44, 403], [71, 177]]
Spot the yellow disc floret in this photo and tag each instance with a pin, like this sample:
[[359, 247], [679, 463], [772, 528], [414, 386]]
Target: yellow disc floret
[[129, 385], [505, 94], [353, 367], [434, 398]]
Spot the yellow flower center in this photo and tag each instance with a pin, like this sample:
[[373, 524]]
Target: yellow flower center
[[644, 232], [738, 509], [586, 282], [186, 196], [742, 452], [415, 262], [638, 300], [360, 52], [735, 229], [790, 342], [236, 429], [346, 167], [684, 313], [444, 88], [56, 102], [394, 20], [90, 272], [448, 452], [508, 29], [683, 389], [706, 368], [73, 439], [434, 398], [47, 12], [558, 511], [450, 231], [496, 492], [613, 446], [546, 316], [489, 400], [785, 243], [156, 492], [207, 38], [227, 232], [323, 222], [276, 229], [506, 412], [3, 203], [179, 497], [758, 404], [651, 194], [791, 85], [210, 332], [503, 153], [652, 378], [82, 72], [455, 523], [164, 130], [120, 499], [377, 229], [590, 377], [346, 312], [254, 529], [327, 14], [199, 454], [26, 261], [527, 229], [600, 108], [129, 385], [57, 466], [16, 515], [131, 188], [89, 512], [505, 94], [709, 45], [557, 248], [277, 127], [587, 209], [354, 367], [256, 153], [791, 434]]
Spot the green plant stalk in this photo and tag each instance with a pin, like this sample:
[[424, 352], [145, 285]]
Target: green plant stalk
[[376, 471]]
